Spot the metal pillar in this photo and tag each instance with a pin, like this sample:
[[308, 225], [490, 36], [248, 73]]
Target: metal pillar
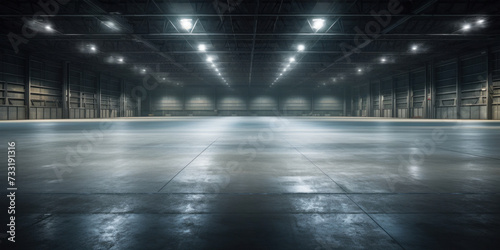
[[98, 95], [489, 85], [27, 87], [369, 100], [409, 97], [66, 97], [458, 101], [424, 104], [432, 86], [394, 101], [122, 98]]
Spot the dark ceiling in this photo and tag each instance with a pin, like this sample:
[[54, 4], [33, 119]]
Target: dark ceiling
[[251, 42]]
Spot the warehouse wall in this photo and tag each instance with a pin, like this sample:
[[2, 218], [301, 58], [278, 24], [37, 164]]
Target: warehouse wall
[[36, 88], [466, 87], [238, 101]]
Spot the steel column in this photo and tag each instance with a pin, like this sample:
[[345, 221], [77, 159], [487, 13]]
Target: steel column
[[65, 91], [27, 86], [98, 87]]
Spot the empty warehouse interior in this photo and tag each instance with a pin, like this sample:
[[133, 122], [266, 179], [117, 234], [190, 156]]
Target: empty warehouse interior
[[231, 124]]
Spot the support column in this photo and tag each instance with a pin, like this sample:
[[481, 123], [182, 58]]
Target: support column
[[139, 108], [369, 100], [98, 95], [426, 98], [312, 102], [458, 101], [6, 94], [432, 86], [380, 99], [122, 98], [409, 98], [489, 85], [66, 97], [394, 101], [27, 87]]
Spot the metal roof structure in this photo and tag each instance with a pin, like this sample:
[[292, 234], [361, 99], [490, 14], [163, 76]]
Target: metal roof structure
[[252, 43]]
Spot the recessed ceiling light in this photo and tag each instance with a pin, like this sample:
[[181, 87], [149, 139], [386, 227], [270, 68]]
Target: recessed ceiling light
[[216, 69], [164, 79], [360, 70], [186, 24], [383, 60], [48, 28], [284, 69], [213, 65], [292, 59], [281, 74], [209, 59], [318, 23], [110, 25], [219, 73], [301, 47], [414, 47], [480, 21], [143, 70], [466, 27], [202, 47], [93, 48], [120, 59]]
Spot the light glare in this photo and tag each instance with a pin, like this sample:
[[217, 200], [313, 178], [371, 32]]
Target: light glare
[[186, 24], [318, 23]]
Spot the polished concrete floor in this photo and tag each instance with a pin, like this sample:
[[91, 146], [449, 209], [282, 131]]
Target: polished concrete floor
[[255, 183]]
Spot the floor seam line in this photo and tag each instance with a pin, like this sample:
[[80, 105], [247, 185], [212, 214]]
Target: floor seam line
[[374, 221], [187, 165]]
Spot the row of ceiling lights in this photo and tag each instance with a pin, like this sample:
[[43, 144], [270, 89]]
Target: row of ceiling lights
[[300, 48], [316, 25], [210, 60]]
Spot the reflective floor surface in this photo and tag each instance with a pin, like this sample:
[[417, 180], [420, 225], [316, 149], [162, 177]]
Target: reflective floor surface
[[254, 183]]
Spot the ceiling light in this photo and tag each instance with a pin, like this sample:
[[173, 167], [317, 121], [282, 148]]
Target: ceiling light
[[414, 47], [202, 47], [324, 84], [292, 59], [219, 73], [213, 65], [209, 59], [186, 24], [143, 70], [318, 23], [360, 70], [164, 79], [216, 69], [93, 48], [284, 69], [466, 27], [480, 21], [301, 47], [120, 59], [281, 74], [48, 28], [110, 25], [383, 60]]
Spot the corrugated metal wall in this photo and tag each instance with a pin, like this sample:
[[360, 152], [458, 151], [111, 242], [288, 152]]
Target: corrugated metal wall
[[467, 87], [495, 86], [45, 78]]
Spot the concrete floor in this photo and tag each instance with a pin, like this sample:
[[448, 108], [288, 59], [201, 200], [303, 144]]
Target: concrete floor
[[255, 183]]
